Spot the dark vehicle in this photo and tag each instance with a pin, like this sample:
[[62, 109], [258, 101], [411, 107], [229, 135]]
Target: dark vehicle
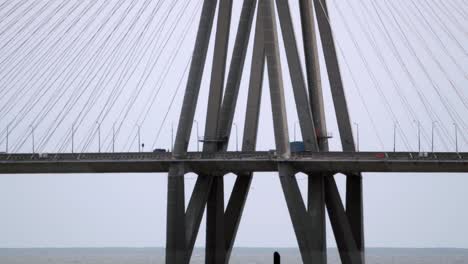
[[159, 150]]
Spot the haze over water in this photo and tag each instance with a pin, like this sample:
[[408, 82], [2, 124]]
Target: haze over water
[[239, 256]]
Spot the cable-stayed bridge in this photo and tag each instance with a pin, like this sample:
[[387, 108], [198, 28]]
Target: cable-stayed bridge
[[75, 74], [234, 162]]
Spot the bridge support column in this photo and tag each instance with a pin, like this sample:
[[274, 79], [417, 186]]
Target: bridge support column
[[355, 210], [316, 209], [215, 242], [175, 243], [234, 210], [349, 252], [354, 198], [308, 220], [298, 213], [195, 211]]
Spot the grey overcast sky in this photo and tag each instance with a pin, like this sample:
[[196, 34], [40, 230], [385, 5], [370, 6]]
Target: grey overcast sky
[[73, 62]]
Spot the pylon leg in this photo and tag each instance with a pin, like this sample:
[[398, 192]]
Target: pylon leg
[[235, 209], [316, 209], [195, 211], [355, 210], [298, 212], [215, 242], [354, 198], [175, 236], [349, 252]]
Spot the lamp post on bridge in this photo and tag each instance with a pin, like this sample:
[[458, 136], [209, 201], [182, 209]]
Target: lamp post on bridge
[[432, 135], [394, 136], [32, 135], [419, 134], [139, 138], [113, 137], [7, 135], [73, 137], [357, 136], [99, 136], [172, 137]]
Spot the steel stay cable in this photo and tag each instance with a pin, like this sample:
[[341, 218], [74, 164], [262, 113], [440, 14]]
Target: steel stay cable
[[42, 23], [95, 58], [26, 25], [92, 60], [371, 39], [147, 72], [110, 102], [94, 37], [57, 65], [60, 57], [450, 16], [461, 8], [132, 50], [12, 10], [411, 49], [14, 97], [143, 82], [395, 51], [5, 3], [18, 17], [28, 56], [443, 25], [172, 102], [353, 78], [437, 61], [441, 43], [377, 84], [131, 57], [20, 119], [151, 100], [435, 85], [156, 48]]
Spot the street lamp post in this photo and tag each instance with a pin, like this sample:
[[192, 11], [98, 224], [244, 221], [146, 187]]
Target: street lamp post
[[7, 135], [237, 136], [32, 135], [394, 136], [73, 138], [139, 138], [172, 137], [419, 135], [357, 135], [113, 137], [198, 136], [432, 135], [99, 136]]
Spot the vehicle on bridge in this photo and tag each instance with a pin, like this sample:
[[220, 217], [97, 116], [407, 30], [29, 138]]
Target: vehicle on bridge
[[159, 150]]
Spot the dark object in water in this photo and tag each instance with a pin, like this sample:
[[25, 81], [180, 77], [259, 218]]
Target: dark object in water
[[276, 258]]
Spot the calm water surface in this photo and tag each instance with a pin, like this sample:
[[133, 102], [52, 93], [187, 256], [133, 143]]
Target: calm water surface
[[240, 256]]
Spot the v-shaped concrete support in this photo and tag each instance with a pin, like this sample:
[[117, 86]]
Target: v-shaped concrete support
[[308, 221]]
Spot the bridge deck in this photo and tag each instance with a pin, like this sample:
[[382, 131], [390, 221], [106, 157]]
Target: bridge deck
[[233, 162]]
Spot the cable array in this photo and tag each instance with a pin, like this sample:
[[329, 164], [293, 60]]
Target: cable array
[[67, 67], [83, 75], [371, 21]]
